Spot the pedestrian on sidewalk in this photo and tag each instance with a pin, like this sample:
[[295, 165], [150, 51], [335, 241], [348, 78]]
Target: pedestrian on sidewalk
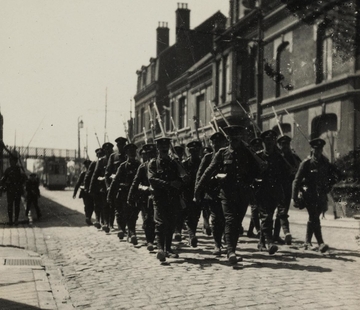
[[312, 183], [86, 197], [32, 194], [13, 183]]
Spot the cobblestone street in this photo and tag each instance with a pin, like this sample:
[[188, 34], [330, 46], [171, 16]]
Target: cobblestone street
[[88, 269]]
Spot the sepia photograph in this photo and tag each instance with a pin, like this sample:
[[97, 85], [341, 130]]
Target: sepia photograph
[[157, 154]]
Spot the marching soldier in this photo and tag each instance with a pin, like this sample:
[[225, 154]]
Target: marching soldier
[[192, 209], [98, 187], [164, 178], [314, 180], [269, 193], [211, 198], [87, 199], [235, 167], [119, 189], [87, 180], [293, 162], [256, 145], [140, 193], [13, 182], [32, 194], [115, 159]]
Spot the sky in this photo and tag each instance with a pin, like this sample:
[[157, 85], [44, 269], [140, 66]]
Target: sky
[[62, 61]]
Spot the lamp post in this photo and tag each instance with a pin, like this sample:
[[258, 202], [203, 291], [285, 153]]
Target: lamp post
[[80, 125], [260, 66]]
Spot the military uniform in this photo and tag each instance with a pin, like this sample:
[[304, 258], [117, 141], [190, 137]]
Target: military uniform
[[192, 209], [119, 188], [32, 194], [314, 180], [211, 199], [164, 178], [13, 182], [98, 187], [114, 162], [235, 167], [140, 194]]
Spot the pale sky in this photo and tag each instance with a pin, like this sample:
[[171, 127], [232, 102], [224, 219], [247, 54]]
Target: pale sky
[[59, 56]]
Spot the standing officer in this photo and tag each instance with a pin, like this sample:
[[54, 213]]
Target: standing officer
[[256, 145], [140, 193], [119, 188], [211, 199], [164, 178], [13, 181], [98, 187], [314, 180], [87, 199], [269, 192], [87, 180], [236, 168], [192, 209], [32, 194], [115, 159], [292, 162]]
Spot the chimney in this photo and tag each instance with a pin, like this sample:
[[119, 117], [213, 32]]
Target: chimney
[[162, 37], [182, 19]]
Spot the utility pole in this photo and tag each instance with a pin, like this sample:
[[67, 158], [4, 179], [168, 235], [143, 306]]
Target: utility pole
[[105, 115], [260, 66]]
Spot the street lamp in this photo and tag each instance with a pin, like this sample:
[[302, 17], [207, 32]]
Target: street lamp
[[80, 125]]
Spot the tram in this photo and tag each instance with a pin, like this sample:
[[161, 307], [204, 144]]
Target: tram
[[54, 175]]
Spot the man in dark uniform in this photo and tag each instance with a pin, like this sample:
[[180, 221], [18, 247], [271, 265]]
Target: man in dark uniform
[[269, 192], [211, 198], [236, 167], [314, 180], [140, 194], [192, 209], [87, 198], [98, 187], [13, 182], [115, 159], [87, 180], [32, 194], [120, 186], [292, 162], [164, 178], [256, 145]]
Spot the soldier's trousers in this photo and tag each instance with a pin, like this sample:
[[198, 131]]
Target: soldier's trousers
[[192, 216], [165, 218], [99, 206], [32, 201], [234, 207], [217, 219], [88, 205], [127, 215], [282, 214], [315, 208], [255, 219], [206, 213], [13, 201], [180, 216], [147, 211]]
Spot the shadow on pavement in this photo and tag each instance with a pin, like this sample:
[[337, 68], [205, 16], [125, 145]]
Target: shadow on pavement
[[12, 305]]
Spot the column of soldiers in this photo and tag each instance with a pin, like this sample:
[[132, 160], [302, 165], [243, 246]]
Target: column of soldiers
[[171, 193]]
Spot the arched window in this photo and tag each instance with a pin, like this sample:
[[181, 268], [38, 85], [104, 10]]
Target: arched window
[[324, 53], [282, 61], [325, 127]]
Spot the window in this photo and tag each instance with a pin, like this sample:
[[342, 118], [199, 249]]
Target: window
[[142, 118], [144, 78], [324, 56], [182, 111], [153, 72], [226, 79], [201, 109], [282, 62], [219, 84]]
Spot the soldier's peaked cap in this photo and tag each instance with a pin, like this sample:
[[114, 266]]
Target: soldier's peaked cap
[[32, 174], [194, 144], [217, 136], [255, 141], [86, 161], [121, 140], [163, 140], [130, 146], [269, 134], [149, 147], [179, 149], [317, 143], [284, 138], [234, 130], [107, 145], [98, 150]]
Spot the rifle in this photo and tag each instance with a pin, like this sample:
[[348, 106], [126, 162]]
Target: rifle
[[196, 124], [126, 133], [151, 123], [297, 126], [145, 135], [12, 155], [222, 115], [97, 138], [213, 117], [250, 118], [175, 129], [278, 122], [204, 134]]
